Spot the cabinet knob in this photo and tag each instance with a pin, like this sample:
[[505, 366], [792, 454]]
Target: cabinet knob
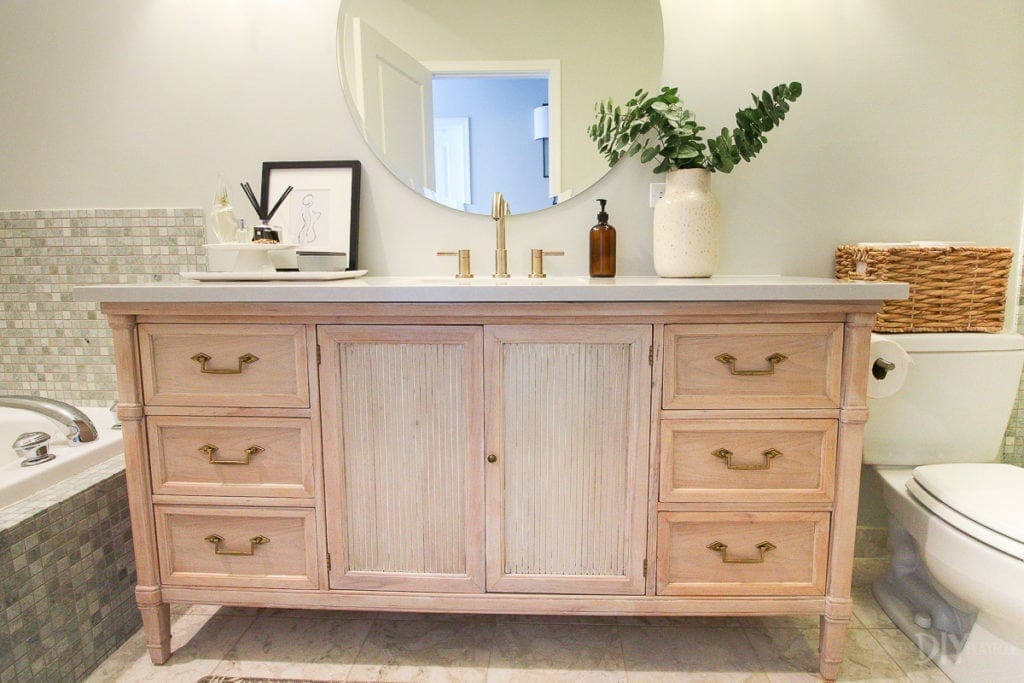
[[492, 458]]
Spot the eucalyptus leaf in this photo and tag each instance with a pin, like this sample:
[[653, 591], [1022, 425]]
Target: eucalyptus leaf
[[648, 154], [659, 125]]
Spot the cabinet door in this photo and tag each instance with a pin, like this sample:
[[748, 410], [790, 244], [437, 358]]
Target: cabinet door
[[403, 456], [567, 421]]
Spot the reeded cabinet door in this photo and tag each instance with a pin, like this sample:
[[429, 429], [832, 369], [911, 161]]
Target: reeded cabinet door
[[403, 444], [567, 423]]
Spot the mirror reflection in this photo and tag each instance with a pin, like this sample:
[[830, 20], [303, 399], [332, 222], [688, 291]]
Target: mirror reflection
[[463, 98]]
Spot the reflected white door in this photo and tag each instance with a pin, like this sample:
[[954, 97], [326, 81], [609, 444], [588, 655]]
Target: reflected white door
[[451, 161], [397, 107]]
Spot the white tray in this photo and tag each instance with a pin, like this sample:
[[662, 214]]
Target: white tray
[[255, 276], [249, 246]]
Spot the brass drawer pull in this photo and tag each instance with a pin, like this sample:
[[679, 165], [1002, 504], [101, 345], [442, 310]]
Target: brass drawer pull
[[730, 360], [253, 542], [726, 455], [211, 452], [763, 546], [243, 360]]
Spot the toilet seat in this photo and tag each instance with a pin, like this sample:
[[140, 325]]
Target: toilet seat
[[984, 501]]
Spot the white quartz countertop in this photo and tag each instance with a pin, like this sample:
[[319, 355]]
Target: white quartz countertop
[[486, 289]]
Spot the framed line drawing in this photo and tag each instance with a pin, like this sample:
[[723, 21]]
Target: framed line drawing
[[322, 211]]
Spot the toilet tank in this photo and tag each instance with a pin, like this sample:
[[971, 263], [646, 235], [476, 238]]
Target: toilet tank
[[954, 405]]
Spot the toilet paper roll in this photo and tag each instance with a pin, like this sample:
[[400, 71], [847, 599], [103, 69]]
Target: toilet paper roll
[[887, 368]]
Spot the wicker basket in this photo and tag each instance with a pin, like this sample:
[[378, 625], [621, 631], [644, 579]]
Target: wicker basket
[[952, 289]]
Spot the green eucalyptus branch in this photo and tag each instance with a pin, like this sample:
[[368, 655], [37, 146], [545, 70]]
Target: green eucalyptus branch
[[660, 127]]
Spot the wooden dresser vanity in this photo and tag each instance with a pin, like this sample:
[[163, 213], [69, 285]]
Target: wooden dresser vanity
[[639, 447]]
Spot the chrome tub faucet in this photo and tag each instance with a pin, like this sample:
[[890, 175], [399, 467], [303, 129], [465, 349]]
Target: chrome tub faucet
[[77, 426]]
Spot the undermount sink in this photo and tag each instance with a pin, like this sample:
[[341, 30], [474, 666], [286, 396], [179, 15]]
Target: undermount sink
[[486, 280]]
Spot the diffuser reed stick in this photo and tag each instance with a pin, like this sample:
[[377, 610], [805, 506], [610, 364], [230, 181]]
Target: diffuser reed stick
[[247, 189], [261, 212], [279, 201]]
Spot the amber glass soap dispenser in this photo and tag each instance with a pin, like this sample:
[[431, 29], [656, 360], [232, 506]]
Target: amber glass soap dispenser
[[602, 246]]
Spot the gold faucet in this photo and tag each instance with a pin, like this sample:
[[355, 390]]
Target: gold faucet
[[464, 269], [499, 211]]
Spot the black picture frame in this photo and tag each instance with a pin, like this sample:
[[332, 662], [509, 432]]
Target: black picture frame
[[323, 190]]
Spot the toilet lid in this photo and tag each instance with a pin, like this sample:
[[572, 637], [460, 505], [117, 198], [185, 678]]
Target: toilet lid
[[977, 498]]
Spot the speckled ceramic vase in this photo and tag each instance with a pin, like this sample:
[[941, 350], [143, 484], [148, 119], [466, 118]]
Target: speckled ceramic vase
[[687, 223]]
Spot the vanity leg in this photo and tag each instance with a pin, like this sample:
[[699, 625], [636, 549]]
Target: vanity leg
[[157, 624], [832, 638]]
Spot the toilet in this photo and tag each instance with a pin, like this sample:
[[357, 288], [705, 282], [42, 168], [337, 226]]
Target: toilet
[[956, 515]]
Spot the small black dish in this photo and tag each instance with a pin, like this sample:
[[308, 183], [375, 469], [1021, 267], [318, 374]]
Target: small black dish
[[263, 232]]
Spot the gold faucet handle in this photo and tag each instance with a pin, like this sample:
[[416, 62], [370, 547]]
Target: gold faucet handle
[[537, 261], [464, 269]]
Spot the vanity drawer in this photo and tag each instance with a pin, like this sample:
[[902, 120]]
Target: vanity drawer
[[752, 366], [220, 456], [258, 547], [740, 561], [224, 365], [747, 460]]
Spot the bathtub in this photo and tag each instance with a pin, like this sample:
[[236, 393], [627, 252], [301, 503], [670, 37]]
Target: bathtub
[[66, 520], [18, 483]]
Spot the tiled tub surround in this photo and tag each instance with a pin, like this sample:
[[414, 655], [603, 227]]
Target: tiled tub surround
[[67, 567], [56, 347], [66, 577], [66, 563]]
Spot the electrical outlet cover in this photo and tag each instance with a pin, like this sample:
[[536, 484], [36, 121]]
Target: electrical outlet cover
[[657, 192]]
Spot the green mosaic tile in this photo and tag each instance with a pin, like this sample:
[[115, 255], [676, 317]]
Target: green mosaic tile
[[66, 579], [61, 348]]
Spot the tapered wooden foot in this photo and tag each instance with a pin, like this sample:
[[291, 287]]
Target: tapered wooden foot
[[832, 638], [156, 622]]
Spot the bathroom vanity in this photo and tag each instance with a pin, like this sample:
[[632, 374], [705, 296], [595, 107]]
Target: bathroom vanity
[[629, 447]]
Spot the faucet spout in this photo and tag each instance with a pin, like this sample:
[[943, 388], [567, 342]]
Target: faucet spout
[[499, 211], [77, 426]]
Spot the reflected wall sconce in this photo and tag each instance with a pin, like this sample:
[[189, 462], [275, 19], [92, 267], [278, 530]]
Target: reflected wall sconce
[[542, 131]]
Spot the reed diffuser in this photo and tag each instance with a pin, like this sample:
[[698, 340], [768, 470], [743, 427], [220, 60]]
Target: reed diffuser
[[263, 233]]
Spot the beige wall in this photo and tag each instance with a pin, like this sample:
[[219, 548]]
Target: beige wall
[[910, 124]]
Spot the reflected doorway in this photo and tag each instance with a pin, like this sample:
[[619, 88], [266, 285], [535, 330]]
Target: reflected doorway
[[487, 117]]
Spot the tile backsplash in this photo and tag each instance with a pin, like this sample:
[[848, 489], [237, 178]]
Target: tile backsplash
[[51, 345]]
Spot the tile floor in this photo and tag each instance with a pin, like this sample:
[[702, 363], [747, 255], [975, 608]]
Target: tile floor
[[338, 646]]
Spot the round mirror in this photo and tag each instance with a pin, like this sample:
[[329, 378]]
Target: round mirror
[[463, 98]]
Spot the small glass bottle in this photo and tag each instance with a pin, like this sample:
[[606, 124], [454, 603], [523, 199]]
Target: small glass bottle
[[243, 233], [602, 246]]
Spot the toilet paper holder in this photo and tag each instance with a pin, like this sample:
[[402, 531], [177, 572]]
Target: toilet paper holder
[[881, 368]]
